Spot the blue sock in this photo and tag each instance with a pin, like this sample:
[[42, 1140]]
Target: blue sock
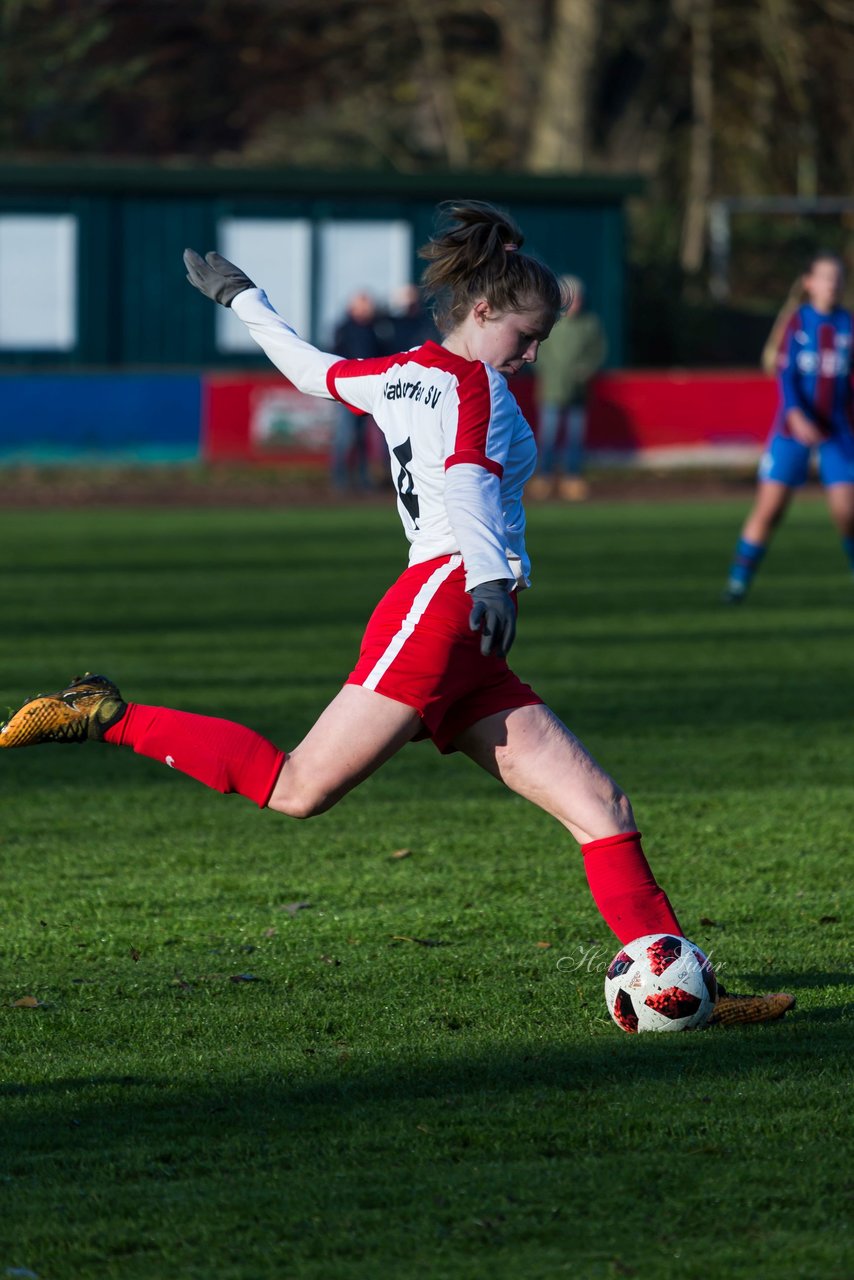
[[748, 556], [848, 548]]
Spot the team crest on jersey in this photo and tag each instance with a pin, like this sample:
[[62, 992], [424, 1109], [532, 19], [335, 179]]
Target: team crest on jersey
[[828, 363]]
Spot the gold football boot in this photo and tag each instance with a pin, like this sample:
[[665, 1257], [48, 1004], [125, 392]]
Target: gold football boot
[[80, 712], [732, 1010]]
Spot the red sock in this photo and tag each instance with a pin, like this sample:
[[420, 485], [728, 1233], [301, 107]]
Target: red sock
[[625, 890], [219, 753]]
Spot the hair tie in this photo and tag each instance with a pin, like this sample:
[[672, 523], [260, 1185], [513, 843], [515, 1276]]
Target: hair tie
[[510, 248]]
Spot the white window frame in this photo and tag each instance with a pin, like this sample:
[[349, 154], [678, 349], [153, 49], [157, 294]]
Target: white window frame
[[276, 254], [367, 255], [38, 282]]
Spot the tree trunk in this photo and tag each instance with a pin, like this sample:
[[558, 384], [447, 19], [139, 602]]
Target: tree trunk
[[522, 45], [784, 43], [442, 86], [693, 245], [561, 132]]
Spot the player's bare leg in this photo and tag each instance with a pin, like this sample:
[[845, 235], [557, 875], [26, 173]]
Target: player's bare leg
[[535, 754], [358, 732], [769, 507], [840, 501]]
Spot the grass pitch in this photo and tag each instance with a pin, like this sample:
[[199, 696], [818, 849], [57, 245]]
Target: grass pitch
[[266, 1049]]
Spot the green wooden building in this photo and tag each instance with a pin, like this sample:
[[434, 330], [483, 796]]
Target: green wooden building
[[90, 257]]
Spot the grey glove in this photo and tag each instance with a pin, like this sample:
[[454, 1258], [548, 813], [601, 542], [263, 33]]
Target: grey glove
[[215, 276], [494, 616]]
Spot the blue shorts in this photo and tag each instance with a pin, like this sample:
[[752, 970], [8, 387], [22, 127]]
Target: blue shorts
[[787, 461]]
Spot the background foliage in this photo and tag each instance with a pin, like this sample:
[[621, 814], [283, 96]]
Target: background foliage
[[703, 97]]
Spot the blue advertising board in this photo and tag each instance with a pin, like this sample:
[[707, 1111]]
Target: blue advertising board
[[105, 416]]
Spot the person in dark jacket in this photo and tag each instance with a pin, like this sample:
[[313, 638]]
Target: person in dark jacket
[[356, 338], [409, 324]]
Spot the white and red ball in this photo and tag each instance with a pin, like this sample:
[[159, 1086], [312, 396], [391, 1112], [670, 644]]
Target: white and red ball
[[660, 982]]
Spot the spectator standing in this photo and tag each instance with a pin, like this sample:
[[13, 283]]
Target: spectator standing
[[409, 323], [356, 338], [575, 351]]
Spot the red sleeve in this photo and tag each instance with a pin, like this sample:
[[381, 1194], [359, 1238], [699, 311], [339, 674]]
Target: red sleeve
[[331, 374], [475, 415], [374, 365]]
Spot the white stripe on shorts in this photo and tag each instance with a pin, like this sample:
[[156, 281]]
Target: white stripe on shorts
[[407, 627]]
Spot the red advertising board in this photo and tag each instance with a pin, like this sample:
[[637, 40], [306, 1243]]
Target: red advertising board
[[672, 414], [263, 418], [681, 409]]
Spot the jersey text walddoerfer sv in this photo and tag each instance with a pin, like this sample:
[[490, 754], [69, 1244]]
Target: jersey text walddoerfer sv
[[459, 448]]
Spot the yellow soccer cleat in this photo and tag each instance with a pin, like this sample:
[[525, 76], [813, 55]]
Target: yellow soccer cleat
[[732, 1010], [82, 711]]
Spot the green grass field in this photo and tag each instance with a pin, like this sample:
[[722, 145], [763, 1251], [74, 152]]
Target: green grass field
[[368, 1105]]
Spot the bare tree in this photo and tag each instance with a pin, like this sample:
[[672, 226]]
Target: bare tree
[[560, 139], [699, 187], [440, 83], [784, 46]]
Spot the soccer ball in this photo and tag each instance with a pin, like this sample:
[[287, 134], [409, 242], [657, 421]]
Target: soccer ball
[[660, 983]]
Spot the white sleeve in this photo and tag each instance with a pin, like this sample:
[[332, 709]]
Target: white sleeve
[[473, 504], [299, 361]]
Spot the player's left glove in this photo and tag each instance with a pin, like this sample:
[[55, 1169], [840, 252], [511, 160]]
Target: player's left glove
[[494, 616], [215, 276]]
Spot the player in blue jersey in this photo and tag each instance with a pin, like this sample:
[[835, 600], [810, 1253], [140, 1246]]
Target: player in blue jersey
[[815, 415]]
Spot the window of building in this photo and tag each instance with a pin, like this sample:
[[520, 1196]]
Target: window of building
[[276, 253], [38, 282], [356, 257]]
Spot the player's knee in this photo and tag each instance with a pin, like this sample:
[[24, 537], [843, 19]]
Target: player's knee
[[300, 793], [302, 804], [622, 809]]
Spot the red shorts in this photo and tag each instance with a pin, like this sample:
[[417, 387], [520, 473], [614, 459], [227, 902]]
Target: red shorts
[[419, 650]]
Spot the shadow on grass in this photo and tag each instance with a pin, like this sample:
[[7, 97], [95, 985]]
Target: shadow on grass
[[805, 981], [835, 1013], [342, 1166], [657, 1061]]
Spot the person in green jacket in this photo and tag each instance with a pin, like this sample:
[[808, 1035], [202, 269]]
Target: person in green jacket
[[575, 350]]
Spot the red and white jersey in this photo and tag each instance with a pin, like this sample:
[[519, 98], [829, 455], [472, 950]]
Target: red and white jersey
[[460, 450]]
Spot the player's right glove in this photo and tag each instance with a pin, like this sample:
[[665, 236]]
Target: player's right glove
[[494, 616], [215, 276]]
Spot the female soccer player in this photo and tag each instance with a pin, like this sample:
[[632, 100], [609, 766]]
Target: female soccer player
[[816, 413], [433, 657]]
